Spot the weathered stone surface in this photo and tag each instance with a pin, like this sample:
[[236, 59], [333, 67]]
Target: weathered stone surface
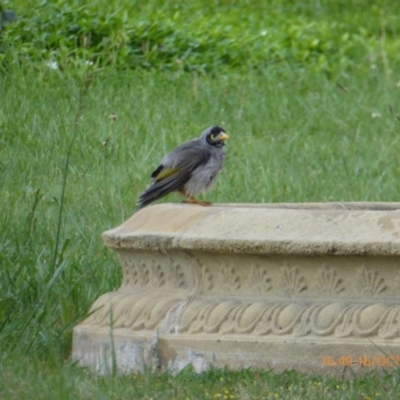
[[314, 287]]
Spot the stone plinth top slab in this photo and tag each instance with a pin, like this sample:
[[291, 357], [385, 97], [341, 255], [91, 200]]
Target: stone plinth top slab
[[308, 229]]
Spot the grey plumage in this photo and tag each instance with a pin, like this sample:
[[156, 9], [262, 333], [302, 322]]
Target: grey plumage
[[190, 169]]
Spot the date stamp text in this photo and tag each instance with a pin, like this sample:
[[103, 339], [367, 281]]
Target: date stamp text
[[363, 361]]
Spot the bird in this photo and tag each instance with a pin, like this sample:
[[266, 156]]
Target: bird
[[190, 169]]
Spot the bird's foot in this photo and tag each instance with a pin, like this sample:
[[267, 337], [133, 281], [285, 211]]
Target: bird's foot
[[193, 200], [199, 203]]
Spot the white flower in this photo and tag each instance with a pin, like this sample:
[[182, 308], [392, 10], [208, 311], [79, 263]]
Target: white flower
[[52, 64]]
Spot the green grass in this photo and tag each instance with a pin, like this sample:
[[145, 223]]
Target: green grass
[[204, 36], [295, 137], [68, 172], [37, 380]]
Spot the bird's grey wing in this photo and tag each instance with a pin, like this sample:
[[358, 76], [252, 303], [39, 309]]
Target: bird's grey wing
[[172, 180], [176, 169], [188, 157]]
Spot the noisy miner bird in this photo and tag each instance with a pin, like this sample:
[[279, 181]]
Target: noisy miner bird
[[189, 169]]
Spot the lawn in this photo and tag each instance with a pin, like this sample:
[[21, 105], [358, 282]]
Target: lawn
[[299, 132]]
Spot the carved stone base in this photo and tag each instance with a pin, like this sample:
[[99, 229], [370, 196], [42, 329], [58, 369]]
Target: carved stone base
[[315, 287]]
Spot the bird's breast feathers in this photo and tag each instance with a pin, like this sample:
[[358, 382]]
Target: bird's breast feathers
[[203, 177]]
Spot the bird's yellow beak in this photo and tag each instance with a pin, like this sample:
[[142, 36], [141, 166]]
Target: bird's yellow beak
[[222, 136]]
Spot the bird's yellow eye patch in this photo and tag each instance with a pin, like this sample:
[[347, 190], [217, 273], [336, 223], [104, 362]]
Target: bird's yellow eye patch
[[212, 137]]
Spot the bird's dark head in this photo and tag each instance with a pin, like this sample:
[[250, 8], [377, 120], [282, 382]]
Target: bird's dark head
[[215, 136]]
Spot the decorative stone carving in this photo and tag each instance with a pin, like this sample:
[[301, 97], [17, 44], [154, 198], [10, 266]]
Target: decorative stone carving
[[223, 286], [369, 283], [328, 283], [293, 283]]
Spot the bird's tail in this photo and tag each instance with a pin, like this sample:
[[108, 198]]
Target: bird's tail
[[159, 189], [149, 196]]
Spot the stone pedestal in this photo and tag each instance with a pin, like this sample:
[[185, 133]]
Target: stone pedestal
[[314, 287]]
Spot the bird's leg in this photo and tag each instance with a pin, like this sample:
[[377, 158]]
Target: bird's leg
[[193, 200]]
